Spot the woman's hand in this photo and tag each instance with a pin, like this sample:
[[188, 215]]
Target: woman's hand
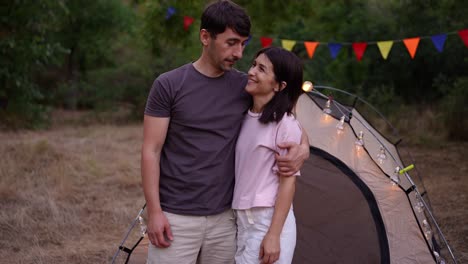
[[269, 249]]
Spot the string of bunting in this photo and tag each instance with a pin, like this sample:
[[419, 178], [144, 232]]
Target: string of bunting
[[359, 48], [188, 20]]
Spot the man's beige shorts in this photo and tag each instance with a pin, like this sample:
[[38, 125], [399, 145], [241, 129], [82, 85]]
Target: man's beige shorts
[[198, 239]]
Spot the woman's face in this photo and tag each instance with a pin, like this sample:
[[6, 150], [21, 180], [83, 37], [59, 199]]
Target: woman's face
[[262, 83]]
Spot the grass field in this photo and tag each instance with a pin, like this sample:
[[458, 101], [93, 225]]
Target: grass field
[[68, 194]]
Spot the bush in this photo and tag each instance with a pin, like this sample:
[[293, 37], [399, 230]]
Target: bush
[[456, 111]]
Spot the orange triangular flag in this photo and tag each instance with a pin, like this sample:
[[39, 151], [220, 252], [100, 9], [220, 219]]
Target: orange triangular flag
[[411, 45], [310, 47], [288, 44]]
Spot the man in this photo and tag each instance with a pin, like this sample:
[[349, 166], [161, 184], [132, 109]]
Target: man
[[192, 120]]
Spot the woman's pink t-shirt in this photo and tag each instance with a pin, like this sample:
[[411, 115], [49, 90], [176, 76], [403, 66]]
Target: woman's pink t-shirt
[[256, 171]]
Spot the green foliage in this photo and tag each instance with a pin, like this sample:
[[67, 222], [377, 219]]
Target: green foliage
[[456, 110], [171, 45], [88, 31], [25, 48], [104, 54]]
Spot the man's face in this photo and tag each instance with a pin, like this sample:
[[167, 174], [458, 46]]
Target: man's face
[[226, 49]]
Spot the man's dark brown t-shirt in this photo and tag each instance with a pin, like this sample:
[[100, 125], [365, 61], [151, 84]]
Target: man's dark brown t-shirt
[[197, 161]]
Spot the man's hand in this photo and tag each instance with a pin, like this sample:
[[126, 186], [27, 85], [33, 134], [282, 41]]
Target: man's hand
[[158, 230], [269, 249], [293, 160]]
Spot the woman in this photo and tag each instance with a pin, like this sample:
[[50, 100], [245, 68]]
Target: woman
[[262, 197]]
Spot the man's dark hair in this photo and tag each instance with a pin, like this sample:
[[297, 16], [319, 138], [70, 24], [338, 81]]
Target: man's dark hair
[[222, 14], [287, 67]]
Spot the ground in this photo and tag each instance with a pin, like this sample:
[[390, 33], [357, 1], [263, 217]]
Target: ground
[[68, 194]]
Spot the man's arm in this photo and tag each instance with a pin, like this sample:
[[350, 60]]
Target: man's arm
[[154, 135], [294, 159]]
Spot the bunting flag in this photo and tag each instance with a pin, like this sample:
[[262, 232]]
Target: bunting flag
[[266, 42], [411, 45], [310, 47], [288, 44], [187, 22], [359, 49], [439, 41], [464, 36], [248, 40], [334, 49], [385, 47], [170, 12]]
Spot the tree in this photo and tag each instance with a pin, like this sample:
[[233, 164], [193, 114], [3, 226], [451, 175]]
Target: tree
[[89, 28], [26, 47]]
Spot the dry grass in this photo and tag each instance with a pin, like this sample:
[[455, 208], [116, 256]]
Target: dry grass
[[68, 194]]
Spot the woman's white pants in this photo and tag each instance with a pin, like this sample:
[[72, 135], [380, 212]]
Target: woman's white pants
[[252, 225]]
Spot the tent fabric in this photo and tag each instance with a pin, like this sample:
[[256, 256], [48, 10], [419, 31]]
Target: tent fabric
[[405, 237], [347, 210], [337, 216]]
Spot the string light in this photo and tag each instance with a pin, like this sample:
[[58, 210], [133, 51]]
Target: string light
[[359, 142], [307, 86], [395, 178], [142, 226], [381, 157], [419, 205], [427, 229], [340, 125], [439, 259], [326, 109]]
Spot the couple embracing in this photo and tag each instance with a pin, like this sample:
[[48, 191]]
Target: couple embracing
[[221, 150]]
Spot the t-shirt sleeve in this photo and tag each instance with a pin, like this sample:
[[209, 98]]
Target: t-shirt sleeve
[[289, 130], [159, 100]]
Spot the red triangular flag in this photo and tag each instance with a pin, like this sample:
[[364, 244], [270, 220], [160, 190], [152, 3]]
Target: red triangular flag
[[310, 46], [411, 45], [359, 49], [266, 41], [187, 22], [464, 36]]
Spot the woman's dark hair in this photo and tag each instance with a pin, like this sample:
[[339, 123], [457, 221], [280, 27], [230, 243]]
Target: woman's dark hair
[[287, 67], [222, 14]]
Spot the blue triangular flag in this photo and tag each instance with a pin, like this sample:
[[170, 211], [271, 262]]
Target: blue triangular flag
[[170, 12], [248, 40], [334, 49], [439, 41]]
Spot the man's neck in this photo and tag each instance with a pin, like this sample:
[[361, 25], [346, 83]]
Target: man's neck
[[203, 66]]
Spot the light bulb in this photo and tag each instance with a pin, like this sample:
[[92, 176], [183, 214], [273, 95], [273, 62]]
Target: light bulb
[[307, 86], [326, 109], [340, 125], [142, 225], [359, 142], [381, 157], [395, 178], [427, 229], [419, 205], [439, 259]]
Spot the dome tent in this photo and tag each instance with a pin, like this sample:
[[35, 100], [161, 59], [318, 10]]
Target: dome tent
[[354, 202]]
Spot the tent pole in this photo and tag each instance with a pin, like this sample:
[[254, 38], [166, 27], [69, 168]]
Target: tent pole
[[128, 233], [433, 220]]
